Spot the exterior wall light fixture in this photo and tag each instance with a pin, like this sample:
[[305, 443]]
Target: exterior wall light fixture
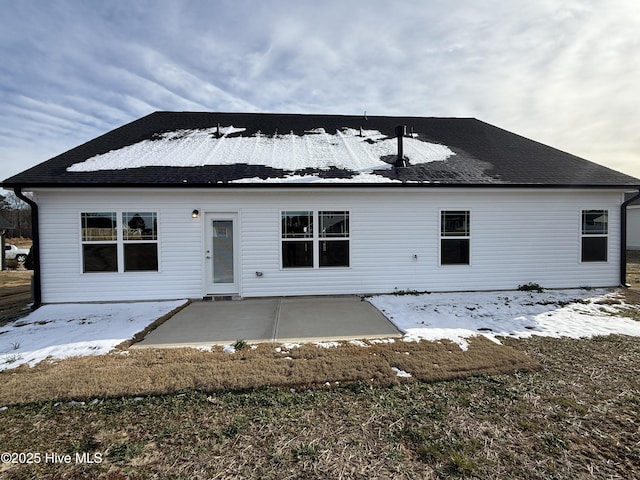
[[195, 214]]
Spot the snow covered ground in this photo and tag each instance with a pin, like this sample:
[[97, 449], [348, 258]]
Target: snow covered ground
[[515, 314], [62, 331], [69, 330]]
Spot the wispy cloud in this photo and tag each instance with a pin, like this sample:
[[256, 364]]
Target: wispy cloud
[[563, 73]]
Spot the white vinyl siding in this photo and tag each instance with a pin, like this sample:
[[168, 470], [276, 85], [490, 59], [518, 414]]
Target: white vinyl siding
[[518, 236], [633, 227]]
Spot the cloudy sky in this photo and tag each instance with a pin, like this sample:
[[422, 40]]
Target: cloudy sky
[[566, 73]]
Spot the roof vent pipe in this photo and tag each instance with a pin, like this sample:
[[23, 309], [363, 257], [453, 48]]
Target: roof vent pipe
[[401, 131]]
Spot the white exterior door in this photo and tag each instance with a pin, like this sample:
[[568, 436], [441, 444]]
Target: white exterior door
[[221, 253]]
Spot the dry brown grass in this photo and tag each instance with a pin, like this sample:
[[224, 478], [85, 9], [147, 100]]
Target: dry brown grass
[[575, 418], [163, 371], [633, 268]]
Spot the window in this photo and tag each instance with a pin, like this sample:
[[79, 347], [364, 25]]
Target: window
[[99, 242], [454, 237], [334, 235], [301, 241], [103, 245], [297, 239], [595, 227], [140, 236]]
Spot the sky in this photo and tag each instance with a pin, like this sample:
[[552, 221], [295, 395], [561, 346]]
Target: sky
[[565, 73]]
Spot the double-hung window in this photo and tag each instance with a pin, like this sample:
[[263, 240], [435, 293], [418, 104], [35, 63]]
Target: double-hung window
[[455, 235], [117, 242], [140, 237], [297, 239], [334, 239], [305, 246], [595, 228], [99, 242]]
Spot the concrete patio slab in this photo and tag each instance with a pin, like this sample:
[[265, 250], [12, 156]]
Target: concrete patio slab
[[286, 319], [330, 318]]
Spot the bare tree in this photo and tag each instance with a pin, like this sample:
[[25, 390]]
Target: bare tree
[[17, 213]]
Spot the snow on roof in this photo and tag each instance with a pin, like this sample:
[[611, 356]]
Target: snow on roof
[[358, 151]]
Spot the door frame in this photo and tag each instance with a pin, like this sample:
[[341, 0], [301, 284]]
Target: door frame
[[210, 288]]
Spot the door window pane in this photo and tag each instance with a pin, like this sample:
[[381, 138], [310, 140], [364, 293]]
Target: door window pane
[[222, 244]]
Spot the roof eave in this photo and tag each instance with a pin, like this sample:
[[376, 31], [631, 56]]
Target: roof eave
[[319, 185]]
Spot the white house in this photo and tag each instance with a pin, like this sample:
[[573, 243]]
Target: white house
[[633, 225], [177, 205]]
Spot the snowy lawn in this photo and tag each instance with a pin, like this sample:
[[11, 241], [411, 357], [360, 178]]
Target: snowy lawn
[[515, 314], [62, 331], [69, 330]]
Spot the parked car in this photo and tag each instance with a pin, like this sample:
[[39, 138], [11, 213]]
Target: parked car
[[11, 252]]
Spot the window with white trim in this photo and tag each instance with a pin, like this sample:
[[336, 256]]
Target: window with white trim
[[99, 242], [595, 233], [304, 246], [334, 239], [107, 248], [140, 239], [455, 237]]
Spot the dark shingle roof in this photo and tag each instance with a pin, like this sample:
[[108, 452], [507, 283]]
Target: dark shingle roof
[[485, 155]]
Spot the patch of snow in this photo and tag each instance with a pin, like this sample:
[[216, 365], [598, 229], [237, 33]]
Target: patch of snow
[[289, 346], [317, 149], [204, 349], [359, 343], [70, 330], [401, 373], [361, 177], [327, 344], [229, 349], [382, 340], [459, 316]]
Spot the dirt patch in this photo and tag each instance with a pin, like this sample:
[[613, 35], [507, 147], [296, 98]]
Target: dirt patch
[[162, 371]]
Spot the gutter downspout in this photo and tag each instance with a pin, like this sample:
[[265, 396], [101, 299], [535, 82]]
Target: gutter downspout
[[623, 239], [35, 248]]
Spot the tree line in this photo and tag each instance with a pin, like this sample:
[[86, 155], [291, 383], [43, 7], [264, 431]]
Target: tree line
[[16, 213]]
